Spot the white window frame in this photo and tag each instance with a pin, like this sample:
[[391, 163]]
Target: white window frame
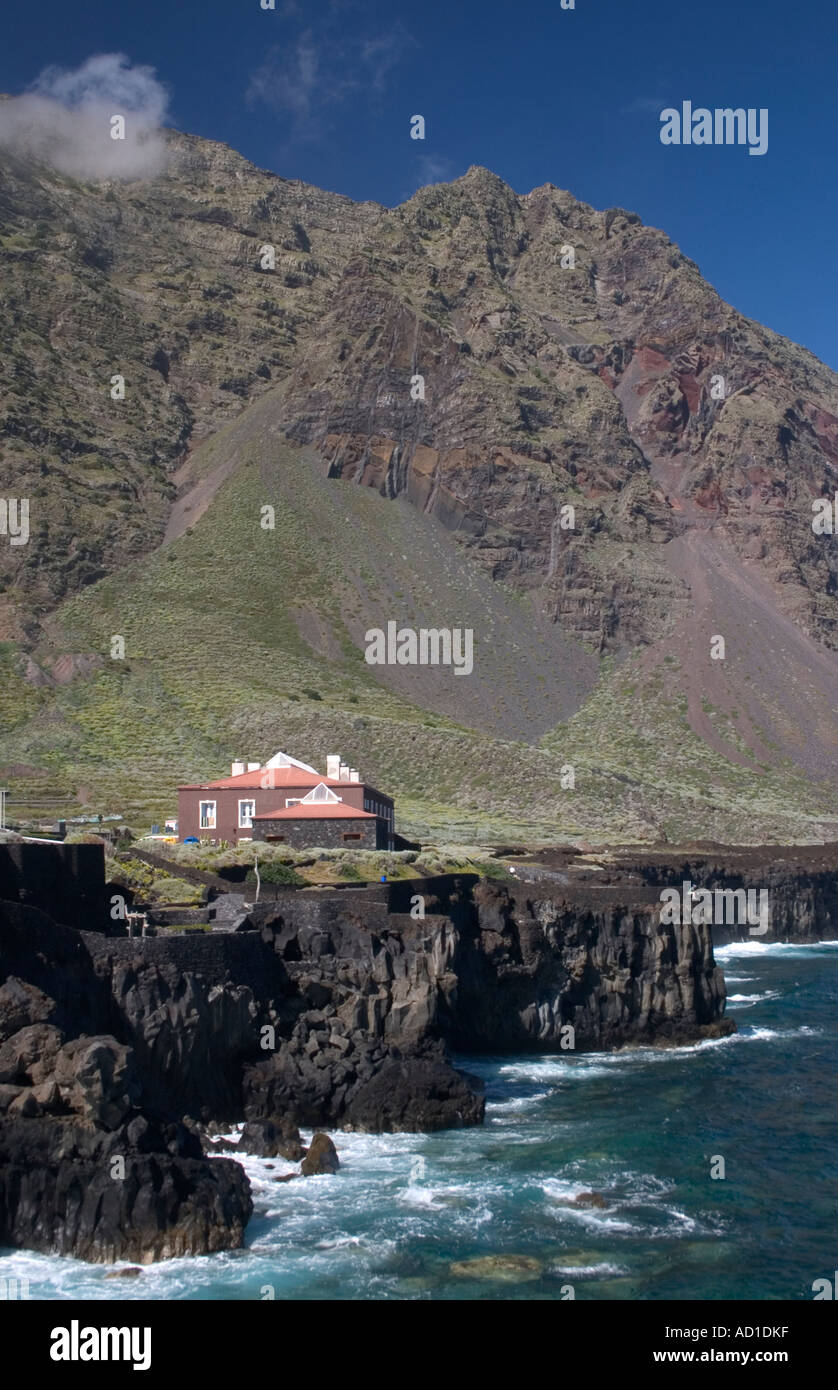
[[247, 801], [209, 824]]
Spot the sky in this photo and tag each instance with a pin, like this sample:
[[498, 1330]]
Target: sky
[[324, 90]]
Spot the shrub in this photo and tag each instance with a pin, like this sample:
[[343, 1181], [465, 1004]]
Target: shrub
[[275, 873], [175, 890]]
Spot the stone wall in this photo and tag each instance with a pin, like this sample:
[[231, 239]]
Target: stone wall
[[320, 834], [65, 881]]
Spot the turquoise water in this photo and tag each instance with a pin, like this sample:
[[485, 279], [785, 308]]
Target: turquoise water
[[639, 1127]]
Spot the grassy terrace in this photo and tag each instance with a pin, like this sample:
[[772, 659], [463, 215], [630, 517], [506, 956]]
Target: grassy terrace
[[278, 865]]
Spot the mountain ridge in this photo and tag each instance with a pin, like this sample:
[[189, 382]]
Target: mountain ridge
[[547, 386]]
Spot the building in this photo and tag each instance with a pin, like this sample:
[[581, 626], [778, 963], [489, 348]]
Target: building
[[287, 801]]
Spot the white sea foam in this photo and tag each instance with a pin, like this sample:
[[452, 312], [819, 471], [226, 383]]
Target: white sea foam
[[340, 1243], [552, 1067], [598, 1220], [419, 1196], [562, 1192], [516, 1103], [563, 1189], [641, 1187], [732, 949]]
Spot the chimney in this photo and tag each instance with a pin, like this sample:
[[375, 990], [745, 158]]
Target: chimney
[[344, 772], [333, 766], [236, 768], [353, 775], [253, 767]]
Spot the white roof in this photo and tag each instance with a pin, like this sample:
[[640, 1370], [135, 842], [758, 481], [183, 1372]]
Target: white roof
[[285, 760]]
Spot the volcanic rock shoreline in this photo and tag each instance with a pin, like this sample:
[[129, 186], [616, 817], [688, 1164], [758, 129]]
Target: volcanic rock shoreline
[[326, 1009], [801, 881]]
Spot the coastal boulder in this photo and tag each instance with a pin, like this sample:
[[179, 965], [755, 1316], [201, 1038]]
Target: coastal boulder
[[22, 1004], [98, 1079], [272, 1139], [371, 1086], [322, 1157], [29, 1055], [416, 1091], [67, 1189]]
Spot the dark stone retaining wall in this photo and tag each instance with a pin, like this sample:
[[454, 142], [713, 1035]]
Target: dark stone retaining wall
[[320, 834], [65, 881]]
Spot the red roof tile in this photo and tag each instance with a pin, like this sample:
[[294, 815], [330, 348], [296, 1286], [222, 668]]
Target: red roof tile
[[279, 777]]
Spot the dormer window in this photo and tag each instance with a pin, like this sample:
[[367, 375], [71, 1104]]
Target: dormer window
[[321, 793]]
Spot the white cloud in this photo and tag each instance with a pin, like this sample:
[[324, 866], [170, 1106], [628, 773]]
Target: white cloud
[[64, 120], [312, 74], [287, 80]]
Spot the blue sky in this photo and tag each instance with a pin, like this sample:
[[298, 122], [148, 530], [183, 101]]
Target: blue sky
[[324, 90]]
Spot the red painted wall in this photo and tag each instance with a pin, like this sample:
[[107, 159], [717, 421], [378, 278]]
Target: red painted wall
[[227, 806]]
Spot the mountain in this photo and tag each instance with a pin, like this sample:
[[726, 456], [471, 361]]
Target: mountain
[[610, 470]]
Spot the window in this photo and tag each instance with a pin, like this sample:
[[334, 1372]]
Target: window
[[207, 814], [247, 810], [275, 839], [321, 793], [351, 835], [292, 800]]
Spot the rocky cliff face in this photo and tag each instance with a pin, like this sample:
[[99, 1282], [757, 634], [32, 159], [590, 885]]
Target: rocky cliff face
[[530, 970], [612, 970], [85, 1168], [140, 1192], [800, 884], [545, 382], [329, 1014]]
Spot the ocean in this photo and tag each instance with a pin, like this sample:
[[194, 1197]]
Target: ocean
[[491, 1213]]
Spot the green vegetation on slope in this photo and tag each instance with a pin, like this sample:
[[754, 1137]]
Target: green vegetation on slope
[[216, 665]]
